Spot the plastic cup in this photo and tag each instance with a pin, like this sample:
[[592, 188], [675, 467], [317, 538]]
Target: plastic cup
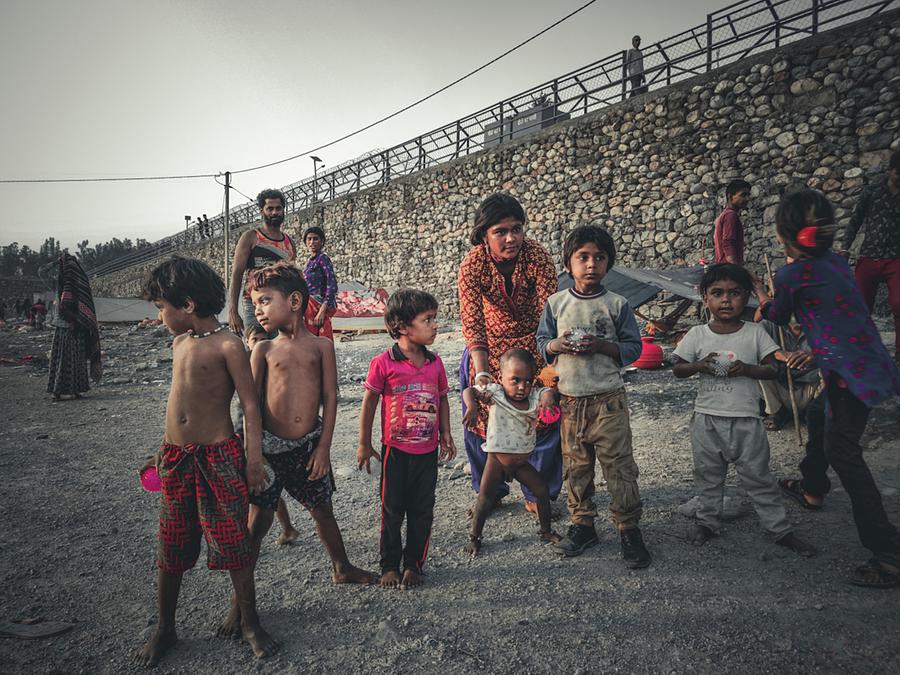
[[550, 415], [150, 480]]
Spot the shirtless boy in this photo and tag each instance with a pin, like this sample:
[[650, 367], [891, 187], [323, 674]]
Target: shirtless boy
[[205, 476], [295, 374]]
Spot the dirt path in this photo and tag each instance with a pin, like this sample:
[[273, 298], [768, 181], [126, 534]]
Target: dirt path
[[78, 544]]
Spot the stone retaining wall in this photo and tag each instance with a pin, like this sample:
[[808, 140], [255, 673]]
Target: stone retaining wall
[[821, 112]]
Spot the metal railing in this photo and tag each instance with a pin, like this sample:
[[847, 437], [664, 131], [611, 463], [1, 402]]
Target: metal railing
[[727, 36]]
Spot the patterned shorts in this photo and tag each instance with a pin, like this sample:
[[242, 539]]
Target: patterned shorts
[[288, 460], [204, 495]]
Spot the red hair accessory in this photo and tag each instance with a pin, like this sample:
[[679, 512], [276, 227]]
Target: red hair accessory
[[807, 236]]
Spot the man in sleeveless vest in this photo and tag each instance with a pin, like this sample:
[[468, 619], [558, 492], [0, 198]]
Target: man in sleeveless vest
[[259, 247]]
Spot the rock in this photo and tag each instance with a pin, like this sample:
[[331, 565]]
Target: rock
[[784, 139], [799, 87], [385, 634]]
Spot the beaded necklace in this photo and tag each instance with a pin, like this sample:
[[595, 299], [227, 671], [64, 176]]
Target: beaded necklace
[[207, 333]]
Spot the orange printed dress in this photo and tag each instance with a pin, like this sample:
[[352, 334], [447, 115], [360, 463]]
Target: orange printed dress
[[495, 320]]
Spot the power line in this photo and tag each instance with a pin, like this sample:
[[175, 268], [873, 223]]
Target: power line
[[424, 98], [243, 194], [107, 179], [320, 147]]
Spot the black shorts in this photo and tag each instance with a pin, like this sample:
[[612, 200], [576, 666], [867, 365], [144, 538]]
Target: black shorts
[[291, 473]]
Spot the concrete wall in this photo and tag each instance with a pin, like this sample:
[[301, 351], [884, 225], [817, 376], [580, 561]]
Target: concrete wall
[[821, 112]]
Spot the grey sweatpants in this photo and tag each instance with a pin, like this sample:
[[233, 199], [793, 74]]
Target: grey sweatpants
[[720, 441]]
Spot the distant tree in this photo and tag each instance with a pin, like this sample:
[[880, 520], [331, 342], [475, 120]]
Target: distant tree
[[18, 260]]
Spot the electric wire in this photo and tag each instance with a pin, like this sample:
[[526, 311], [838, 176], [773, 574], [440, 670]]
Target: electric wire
[[110, 179]]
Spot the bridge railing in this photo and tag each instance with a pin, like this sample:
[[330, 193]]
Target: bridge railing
[[727, 36]]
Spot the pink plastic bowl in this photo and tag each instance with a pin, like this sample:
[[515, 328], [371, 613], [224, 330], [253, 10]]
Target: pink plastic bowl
[[150, 480], [551, 415]]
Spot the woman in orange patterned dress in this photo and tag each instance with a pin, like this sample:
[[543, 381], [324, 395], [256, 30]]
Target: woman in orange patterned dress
[[504, 282]]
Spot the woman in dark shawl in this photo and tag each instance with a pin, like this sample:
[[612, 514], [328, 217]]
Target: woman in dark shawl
[[76, 340]]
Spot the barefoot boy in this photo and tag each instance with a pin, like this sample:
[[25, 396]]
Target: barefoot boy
[[289, 533], [295, 374], [202, 464], [412, 384], [730, 356]]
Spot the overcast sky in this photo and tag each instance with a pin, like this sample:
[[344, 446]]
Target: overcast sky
[[121, 88]]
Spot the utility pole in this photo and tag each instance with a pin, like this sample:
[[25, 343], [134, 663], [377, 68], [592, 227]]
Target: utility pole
[[227, 225]]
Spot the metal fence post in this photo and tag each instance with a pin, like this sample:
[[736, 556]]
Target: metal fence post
[[815, 16], [709, 33], [624, 72]]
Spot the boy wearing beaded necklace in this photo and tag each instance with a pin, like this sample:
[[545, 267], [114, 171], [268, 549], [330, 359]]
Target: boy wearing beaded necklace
[[206, 478]]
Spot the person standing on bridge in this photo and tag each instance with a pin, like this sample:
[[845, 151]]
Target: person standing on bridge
[[258, 248], [634, 65]]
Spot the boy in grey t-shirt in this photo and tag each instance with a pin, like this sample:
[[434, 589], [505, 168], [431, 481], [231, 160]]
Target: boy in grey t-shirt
[[731, 356]]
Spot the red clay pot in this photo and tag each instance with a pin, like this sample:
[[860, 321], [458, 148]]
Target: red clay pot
[[651, 354]]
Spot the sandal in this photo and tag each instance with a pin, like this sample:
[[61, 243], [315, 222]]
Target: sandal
[[793, 488], [874, 574]]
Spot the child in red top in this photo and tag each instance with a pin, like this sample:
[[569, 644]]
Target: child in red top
[[415, 419]]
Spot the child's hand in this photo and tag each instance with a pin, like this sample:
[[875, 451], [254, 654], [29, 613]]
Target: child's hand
[[800, 360], [470, 419], [256, 476], [738, 369], [152, 462], [448, 447], [561, 345], [591, 344], [707, 364], [319, 464], [364, 454], [548, 399], [482, 380]]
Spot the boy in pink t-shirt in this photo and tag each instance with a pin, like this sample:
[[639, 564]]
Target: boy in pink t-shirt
[[415, 419]]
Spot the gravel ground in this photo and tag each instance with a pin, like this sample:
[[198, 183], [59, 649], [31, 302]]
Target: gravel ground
[[79, 542]]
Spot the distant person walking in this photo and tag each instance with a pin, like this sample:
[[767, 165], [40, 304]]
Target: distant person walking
[[258, 248], [322, 284], [878, 212], [728, 236], [76, 339], [634, 65]]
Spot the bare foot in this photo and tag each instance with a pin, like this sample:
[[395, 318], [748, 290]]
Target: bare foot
[[550, 537], [260, 641], [289, 536], [473, 547], [411, 579], [353, 575], [390, 579], [159, 644], [231, 626]]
